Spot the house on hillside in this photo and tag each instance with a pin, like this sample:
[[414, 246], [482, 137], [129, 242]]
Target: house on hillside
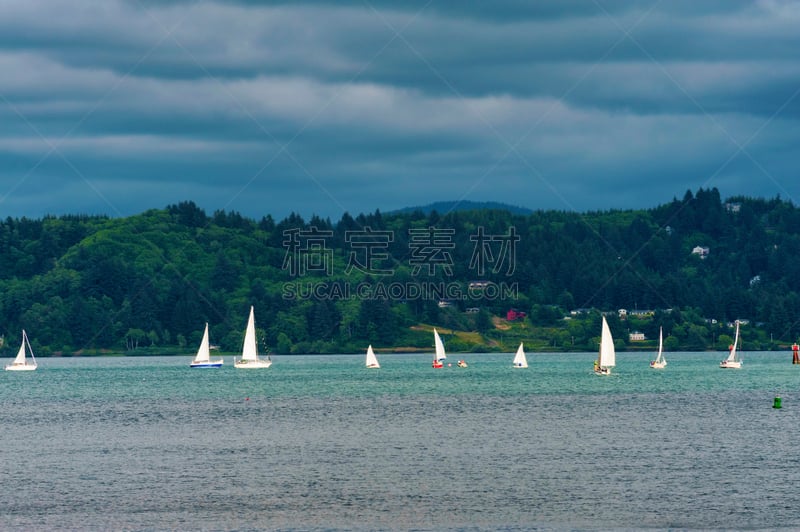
[[701, 251], [514, 314], [636, 313]]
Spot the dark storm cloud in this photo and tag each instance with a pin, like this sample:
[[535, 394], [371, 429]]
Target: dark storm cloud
[[321, 107]]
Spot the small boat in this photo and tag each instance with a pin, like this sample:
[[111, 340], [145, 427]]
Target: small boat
[[440, 356], [250, 359], [203, 357], [519, 359], [607, 357], [462, 364], [20, 363], [660, 362], [733, 361], [372, 360]]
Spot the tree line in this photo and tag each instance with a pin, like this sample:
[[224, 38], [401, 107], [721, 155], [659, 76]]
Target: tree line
[[149, 282]]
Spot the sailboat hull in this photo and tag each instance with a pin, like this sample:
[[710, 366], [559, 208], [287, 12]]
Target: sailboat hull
[[602, 371], [21, 367], [252, 364], [658, 365], [730, 364], [209, 364]]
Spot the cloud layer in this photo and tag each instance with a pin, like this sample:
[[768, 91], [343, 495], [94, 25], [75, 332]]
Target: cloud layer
[[325, 107]]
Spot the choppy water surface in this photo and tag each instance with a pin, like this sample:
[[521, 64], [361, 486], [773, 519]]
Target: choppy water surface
[[320, 442]]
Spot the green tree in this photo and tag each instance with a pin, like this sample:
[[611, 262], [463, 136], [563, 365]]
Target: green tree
[[483, 321], [133, 338]]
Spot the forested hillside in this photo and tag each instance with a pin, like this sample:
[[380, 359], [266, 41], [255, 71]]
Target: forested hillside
[[148, 283]]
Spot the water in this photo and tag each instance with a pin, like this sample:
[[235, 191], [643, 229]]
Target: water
[[321, 443]]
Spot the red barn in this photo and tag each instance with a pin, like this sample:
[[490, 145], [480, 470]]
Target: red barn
[[514, 314]]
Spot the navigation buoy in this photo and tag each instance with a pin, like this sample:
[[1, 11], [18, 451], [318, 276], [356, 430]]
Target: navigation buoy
[[795, 354], [776, 403]]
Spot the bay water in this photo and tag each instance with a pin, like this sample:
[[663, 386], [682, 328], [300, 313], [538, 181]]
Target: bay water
[[322, 443]]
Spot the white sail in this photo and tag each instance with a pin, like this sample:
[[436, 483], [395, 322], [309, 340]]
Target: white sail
[[20, 358], [733, 360], [203, 353], [733, 355], [20, 363], [203, 357], [519, 359], [372, 360], [660, 362], [607, 357], [250, 358], [440, 354], [249, 351]]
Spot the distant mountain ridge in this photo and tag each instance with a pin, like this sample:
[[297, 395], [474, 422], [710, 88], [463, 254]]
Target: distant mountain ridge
[[443, 207]]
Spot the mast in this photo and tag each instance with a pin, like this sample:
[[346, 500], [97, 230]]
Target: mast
[[733, 354], [660, 344], [30, 349]]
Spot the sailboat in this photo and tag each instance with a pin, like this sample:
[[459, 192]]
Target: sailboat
[[372, 360], [519, 359], [660, 362], [203, 357], [607, 358], [440, 356], [250, 358], [733, 360], [20, 363]]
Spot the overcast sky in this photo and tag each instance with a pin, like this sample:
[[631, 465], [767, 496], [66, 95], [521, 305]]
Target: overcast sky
[[317, 107]]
